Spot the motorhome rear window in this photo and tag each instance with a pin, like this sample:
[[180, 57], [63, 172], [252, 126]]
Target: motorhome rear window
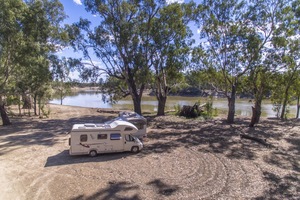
[[83, 138], [102, 136], [115, 136]]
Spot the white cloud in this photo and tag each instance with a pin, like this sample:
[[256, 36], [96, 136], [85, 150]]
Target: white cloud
[[174, 1], [78, 2]]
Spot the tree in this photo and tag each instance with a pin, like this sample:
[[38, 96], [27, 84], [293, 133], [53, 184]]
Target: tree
[[267, 17], [230, 44], [296, 91], [10, 43], [170, 44], [60, 74], [30, 32], [120, 41], [259, 83]]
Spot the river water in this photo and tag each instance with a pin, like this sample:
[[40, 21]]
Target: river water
[[94, 100]]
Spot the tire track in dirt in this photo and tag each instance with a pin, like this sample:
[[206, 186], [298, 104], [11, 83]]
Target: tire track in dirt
[[195, 174]]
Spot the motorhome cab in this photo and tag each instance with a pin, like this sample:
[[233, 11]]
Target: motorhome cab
[[103, 138]]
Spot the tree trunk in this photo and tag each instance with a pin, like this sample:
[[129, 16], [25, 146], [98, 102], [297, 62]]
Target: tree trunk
[[34, 104], [4, 115], [161, 105], [19, 106], [61, 97], [136, 94], [298, 107], [137, 104], [231, 105], [39, 104], [284, 104], [256, 112]]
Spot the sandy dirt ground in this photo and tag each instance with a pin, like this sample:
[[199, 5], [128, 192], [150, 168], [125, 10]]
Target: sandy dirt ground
[[182, 159]]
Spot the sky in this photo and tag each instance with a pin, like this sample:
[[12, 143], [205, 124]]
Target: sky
[[75, 10]]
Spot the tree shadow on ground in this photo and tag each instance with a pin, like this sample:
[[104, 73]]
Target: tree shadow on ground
[[287, 187], [126, 190], [114, 190], [63, 158], [224, 139], [40, 132], [209, 138], [163, 188], [217, 137]]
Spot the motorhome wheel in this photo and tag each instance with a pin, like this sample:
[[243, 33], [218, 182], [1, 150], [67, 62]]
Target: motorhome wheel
[[93, 153], [135, 149]]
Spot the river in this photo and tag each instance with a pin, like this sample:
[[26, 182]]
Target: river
[[93, 99]]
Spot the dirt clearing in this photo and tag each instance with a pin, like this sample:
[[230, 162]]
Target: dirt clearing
[[182, 159]]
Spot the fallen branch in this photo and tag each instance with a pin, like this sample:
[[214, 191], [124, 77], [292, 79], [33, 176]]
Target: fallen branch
[[259, 140], [108, 111]]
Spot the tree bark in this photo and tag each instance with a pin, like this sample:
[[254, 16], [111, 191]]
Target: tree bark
[[34, 104], [61, 97], [256, 112], [298, 107], [3, 113], [161, 105], [137, 104], [231, 105], [284, 104]]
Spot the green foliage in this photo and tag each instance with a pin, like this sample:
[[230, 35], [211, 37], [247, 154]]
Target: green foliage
[[45, 111], [209, 112], [177, 109], [29, 32]]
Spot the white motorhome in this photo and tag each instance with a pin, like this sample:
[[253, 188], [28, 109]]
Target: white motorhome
[[92, 139], [139, 121]]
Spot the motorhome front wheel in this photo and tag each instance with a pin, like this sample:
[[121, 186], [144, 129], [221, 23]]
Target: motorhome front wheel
[[135, 149], [93, 153]]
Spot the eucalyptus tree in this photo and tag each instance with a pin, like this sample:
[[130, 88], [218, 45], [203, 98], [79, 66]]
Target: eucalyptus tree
[[10, 43], [170, 44], [43, 35], [279, 19], [266, 17], [258, 83], [60, 68], [288, 44], [283, 87], [296, 93], [229, 42], [120, 41], [29, 32]]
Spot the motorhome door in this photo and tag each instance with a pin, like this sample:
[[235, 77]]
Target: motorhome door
[[128, 142]]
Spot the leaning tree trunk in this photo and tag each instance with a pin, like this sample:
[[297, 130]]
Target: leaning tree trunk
[[161, 104], [256, 112], [3, 113], [231, 105]]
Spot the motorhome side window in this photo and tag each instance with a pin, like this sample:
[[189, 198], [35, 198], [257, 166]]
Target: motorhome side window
[[115, 136], [102, 136], [129, 138], [83, 138]]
